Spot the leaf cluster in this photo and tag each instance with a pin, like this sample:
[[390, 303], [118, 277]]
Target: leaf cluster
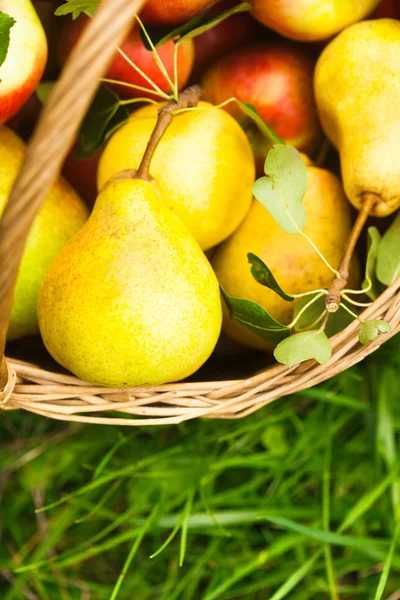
[[281, 192]]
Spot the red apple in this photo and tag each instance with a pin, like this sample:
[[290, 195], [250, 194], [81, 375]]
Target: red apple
[[278, 80], [231, 33], [172, 12], [133, 47], [26, 58], [82, 175]]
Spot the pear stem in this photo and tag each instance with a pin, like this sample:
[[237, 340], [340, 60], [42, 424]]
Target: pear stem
[[332, 301], [187, 99]]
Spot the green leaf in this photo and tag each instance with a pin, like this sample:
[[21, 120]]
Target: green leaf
[[6, 22], [76, 7], [255, 318], [303, 346], [44, 89], [199, 24], [250, 111], [281, 191], [388, 261], [336, 322], [370, 330], [263, 275], [103, 117], [374, 238]]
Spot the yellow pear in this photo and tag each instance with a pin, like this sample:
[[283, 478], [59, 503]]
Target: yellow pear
[[204, 167], [357, 87], [62, 214], [131, 299], [292, 260]]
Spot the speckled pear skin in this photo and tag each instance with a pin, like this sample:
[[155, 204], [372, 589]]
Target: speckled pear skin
[[292, 260], [62, 214], [131, 299], [204, 167], [357, 87]]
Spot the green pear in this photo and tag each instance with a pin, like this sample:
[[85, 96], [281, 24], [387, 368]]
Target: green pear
[[62, 214], [292, 260], [357, 87], [131, 299]]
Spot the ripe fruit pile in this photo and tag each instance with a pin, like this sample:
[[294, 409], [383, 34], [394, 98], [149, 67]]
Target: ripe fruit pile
[[203, 206]]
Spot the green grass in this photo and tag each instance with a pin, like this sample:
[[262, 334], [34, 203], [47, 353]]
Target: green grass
[[299, 501]]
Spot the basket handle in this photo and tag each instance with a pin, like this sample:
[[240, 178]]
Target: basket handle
[[52, 140]]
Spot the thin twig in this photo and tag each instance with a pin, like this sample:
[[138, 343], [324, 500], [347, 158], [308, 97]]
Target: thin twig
[[332, 301]]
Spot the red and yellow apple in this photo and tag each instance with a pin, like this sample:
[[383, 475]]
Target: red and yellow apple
[[172, 12], [26, 58], [311, 20], [51, 25], [121, 70], [277, 79], [231, 33]]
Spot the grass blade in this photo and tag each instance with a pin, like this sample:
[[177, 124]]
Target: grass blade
[[326, 537], [330, 572], [140, 535], [183, 517], [385, 435], [295, 578], [186, 515], [387, 566], [124, 472], [368, 500]]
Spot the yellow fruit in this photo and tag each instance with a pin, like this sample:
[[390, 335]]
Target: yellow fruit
[[131, 299], [62, 214], [357, 86], [204, 167], [292, 260], [311, 20]]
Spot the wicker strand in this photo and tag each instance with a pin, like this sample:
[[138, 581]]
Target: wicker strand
[[7, 393], [54, 136], [174, 403]]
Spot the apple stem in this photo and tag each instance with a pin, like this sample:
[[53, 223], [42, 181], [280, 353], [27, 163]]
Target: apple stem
[[187, 99], [332, 301]]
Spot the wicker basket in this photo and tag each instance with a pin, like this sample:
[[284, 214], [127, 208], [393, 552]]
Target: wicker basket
[[64, 397]]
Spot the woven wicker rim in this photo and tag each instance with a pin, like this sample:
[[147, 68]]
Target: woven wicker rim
[[64, 397]]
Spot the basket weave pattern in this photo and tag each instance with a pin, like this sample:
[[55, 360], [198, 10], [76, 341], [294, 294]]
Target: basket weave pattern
[[64, 397]]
